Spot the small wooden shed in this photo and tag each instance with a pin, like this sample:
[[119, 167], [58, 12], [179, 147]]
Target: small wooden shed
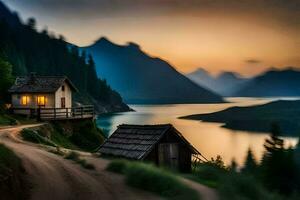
[[160, 144]]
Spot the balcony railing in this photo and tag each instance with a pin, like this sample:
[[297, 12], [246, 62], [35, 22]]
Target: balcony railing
[[57, 113]]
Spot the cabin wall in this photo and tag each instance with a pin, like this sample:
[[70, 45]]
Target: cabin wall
[[31, 102], [184, 154], [67, 94]]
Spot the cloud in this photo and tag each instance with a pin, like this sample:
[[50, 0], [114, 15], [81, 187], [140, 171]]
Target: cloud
[[253, 61]]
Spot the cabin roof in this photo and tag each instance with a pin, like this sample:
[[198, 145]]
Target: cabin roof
[[39, 84], [137, 141]]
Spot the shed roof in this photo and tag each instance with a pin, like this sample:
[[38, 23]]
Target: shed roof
[[39, 84], [137, 141]]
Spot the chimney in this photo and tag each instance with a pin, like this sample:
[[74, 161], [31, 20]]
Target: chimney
[[32, 77]]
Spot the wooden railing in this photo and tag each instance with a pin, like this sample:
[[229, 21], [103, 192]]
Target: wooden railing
[[58, 113], [65, 113]]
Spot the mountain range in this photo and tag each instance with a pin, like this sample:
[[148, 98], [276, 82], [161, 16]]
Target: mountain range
[[226, 83], [142, 79], [273, 83]]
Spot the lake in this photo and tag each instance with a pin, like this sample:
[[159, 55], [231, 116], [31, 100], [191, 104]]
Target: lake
[[209, 138]]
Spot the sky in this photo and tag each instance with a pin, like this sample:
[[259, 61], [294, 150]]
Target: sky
[[244, 36]]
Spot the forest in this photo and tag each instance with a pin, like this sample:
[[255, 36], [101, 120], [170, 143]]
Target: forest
[[27, 50]]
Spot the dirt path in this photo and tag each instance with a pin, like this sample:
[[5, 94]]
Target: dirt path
[[205, 192], [53, 177]]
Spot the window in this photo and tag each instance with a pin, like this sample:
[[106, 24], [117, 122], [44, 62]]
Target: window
[[41, 100], [63, 88], [24, 100]]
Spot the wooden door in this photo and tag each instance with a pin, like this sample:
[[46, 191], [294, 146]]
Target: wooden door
[[63, 102], [168, 155]]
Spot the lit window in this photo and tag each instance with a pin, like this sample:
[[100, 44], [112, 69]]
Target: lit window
[[24, 100], [41, 100]]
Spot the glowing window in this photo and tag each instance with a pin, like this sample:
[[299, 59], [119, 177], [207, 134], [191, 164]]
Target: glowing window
[[41, 100], [24, 100]]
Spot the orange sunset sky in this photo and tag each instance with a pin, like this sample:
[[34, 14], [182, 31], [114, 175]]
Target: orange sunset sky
[[245, 36]]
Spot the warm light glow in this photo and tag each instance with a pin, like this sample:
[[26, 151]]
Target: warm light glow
[[24, 100], [41, 100]]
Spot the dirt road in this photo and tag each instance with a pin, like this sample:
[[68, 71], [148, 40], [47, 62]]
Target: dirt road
[[55, 178]]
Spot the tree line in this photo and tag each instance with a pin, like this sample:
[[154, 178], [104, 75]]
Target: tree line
[[26, 50]]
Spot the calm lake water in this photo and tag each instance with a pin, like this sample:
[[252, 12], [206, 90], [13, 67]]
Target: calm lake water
[[209, 138]]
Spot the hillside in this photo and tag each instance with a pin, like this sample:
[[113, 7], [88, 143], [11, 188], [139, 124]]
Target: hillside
[[143, 79], [273, 83], [31, 51], [226, 83], [258, 118]]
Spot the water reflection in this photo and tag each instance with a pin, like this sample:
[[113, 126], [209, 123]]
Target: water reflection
[[209, 138]]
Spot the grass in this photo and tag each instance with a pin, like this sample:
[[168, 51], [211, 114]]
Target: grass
[[86, 135], [35, 137], [81, 135], [232, 185], [12, 183], [153, 179], [117, 166], [7, 120], [76, 158]]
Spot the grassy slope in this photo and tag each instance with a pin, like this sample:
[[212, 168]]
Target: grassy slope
[[150, 178], [12, 182], [232, 185], [80, 135], [258, 118]]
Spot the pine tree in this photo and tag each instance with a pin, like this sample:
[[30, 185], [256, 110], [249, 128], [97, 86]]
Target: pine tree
[[278, 167], [250, 165], [6, 80]]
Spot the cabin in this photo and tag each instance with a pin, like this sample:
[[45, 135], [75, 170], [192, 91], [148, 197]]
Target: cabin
[[46, 97], [159, 144]]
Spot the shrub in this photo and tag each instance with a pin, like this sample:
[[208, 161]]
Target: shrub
[[76, 157], [235, 186], [35, 137], [153, 179], [87, 136], [209, 173], [117, 166], [85, 164], [72, 156]]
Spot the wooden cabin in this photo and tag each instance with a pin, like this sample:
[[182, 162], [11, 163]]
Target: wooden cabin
[[45, 96], [160, 144]]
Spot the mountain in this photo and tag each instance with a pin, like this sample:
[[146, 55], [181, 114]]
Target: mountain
[[257, 118], [143, 79], [31, 51], [202, 78], [273, 83], [225, 83]]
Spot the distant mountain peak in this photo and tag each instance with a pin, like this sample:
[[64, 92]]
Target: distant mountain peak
[[227, 74], [199, 71], [103, 41], [133, 45]]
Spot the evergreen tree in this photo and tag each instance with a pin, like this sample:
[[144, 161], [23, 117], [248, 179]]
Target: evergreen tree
[[233, 166], [278, 167], [6, 80], [250, 165], [31, 23]]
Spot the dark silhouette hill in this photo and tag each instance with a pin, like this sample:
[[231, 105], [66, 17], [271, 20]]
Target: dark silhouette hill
[[258, 118], [31, 51], [143, 79], [226, 83], [273, 83]]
